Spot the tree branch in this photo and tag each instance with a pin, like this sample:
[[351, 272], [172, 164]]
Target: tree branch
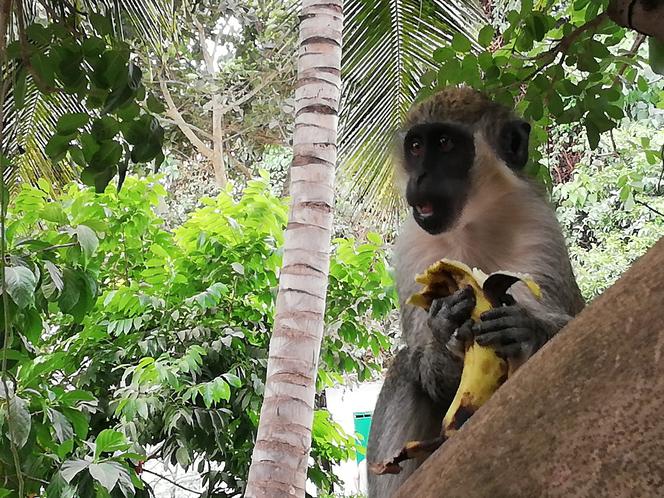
[[182, 124], [174, 483], [195, 128], [649, 207], [207, 57], [566, 41], [638, 41]]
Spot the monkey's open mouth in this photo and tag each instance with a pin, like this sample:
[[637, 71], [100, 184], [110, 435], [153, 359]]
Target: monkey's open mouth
[[424, 210]]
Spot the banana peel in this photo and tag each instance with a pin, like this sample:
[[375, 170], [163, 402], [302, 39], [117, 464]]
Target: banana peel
[[483, 370]]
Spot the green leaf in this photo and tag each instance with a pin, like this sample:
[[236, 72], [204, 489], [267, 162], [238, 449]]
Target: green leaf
[[21, 421], [87, 239], [79, 293], [54, 213], [59, 488], [182, 457], [21, 283], [55, 274], [233, 380], [62, 427], [155, 104], [107, 156], [105, 128], [118, 98], [443, 54], [593, 134], [71, 468], [106, 473], [98, 179], [109, 441], [43, 66], [57, 146], [101, 24], [19, 88], [38, 33], [429, 77], [76, 155], [79, 421], [90, 146], [32, 325], [460, 43], [93, 46], [485, 36]]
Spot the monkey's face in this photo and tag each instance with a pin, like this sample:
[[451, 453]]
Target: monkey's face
[[438, 158]]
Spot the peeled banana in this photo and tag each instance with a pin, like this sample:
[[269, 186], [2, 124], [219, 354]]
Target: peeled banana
[[483, 371]]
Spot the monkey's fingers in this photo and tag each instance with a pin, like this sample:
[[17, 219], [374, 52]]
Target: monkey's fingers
[[412, 449]]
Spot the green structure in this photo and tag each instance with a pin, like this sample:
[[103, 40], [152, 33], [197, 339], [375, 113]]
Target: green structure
[[362, 426]]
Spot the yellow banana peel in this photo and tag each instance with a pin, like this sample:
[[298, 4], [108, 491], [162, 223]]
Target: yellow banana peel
[[483, 370]]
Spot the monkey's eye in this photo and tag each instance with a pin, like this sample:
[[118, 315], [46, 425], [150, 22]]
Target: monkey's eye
[[446, 143], [415, 147]]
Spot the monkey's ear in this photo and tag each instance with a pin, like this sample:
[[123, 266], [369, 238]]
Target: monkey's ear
[[513, 143]]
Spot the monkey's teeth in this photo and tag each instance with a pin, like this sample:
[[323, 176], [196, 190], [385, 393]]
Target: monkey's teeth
[[425, 210]]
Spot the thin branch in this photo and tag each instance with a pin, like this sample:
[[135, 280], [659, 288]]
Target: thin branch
[[661, 174], [5, 11], [182, 124], [632, 52], [174, 483], [264, 82], [566, 41], [59, 246], [195, 128], [548, 57], [207, 57], [649, 207]]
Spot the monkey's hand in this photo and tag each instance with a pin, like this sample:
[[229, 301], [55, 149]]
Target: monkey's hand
[[448, 314], [512, 331]]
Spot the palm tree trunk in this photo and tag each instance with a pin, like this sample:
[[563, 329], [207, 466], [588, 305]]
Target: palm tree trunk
[[281, 453]]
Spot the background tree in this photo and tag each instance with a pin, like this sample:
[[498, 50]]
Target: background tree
[[281, 453]]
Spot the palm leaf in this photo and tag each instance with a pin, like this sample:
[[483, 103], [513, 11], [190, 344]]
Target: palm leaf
[[27, 128], [388, 46]]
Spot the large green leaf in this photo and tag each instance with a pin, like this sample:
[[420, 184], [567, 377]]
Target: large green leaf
[[21, 283], [21, 421]]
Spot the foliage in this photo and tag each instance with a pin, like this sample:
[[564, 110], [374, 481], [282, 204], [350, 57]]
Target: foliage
[[124, 336], [612, 208], [557, 64], [77, 96]]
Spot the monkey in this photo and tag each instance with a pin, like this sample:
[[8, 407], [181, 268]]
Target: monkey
[[460, 160]]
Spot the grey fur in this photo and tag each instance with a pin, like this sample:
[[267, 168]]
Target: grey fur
[[506, 224]]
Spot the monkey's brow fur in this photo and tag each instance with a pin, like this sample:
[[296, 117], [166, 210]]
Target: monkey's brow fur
[[458, 104], [506, 224]]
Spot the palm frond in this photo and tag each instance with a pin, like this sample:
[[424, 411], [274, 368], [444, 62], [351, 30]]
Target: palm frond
[[388, 46], [27, 130]]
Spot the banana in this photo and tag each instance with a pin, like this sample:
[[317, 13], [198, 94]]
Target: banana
[[483, 370]]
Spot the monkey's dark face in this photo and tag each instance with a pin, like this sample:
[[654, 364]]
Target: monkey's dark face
[[438, 158]]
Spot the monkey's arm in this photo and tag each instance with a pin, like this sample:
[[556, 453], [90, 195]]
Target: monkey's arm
[[434, 365], [403, 413]]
